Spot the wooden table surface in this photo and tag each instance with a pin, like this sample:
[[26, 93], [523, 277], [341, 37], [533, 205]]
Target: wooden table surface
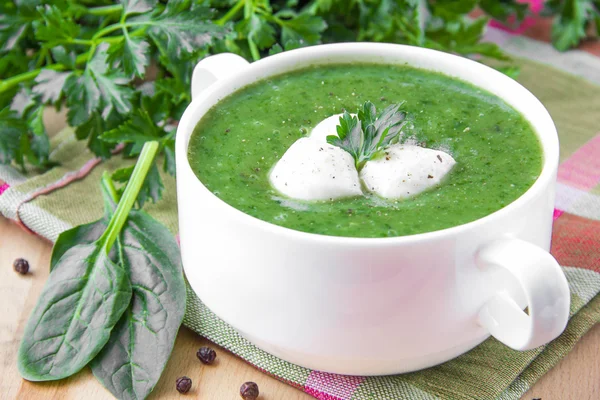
[[576, 377]]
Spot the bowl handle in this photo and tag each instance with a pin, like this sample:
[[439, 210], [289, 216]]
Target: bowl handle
[[544, 286], [213, 68]]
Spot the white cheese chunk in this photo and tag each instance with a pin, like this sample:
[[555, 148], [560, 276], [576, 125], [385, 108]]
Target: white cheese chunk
[[314, 170], [326, 127], [406, 170]]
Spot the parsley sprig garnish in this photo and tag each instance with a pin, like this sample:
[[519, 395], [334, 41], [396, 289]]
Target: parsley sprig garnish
[[367, 134]]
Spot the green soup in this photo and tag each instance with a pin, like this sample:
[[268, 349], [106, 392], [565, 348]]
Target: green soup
[[498, 155]]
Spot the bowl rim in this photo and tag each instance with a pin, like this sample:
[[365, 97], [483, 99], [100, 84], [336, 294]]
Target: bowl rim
[[321, 54]]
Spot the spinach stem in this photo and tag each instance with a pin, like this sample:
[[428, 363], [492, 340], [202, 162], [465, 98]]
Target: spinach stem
[[129, 195], [231, 13]]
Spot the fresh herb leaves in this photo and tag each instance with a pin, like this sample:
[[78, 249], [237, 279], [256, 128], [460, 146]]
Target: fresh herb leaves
[[115, 295], [365, 135], [573, 20], [94, 58]]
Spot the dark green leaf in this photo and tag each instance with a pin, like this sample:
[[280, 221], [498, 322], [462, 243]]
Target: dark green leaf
[[276, 49], [131, 54], [259, 30], [139, 129], [293, 44], [141, 343], [349, 135], [152, 187], [49, 85], [303, 27], [138, 6], [510, 71], [83, 299], [15, 22], [503, 9], [23, 101], [181, 30], [63, 57], [13, 63], [99, 88], [91, 130], [452, 9], [367, 134], [55, 28], [463, 37], [39, 144], [83, 98], [85, 234], [569, 27], [169, 165], [11, 129]]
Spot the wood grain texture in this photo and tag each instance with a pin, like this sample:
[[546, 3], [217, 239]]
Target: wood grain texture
[[576, 377]]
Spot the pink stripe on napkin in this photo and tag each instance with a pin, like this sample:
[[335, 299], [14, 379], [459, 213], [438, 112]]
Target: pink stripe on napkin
[[325, 386], [557, 213], [582, 169], [3, 187]]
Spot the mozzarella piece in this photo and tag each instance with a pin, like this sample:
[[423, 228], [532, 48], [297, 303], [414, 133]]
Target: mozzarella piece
[[314, 170], [406, 170], [326, 127]]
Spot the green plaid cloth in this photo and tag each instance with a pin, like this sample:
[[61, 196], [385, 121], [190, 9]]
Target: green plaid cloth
[[490, 371]]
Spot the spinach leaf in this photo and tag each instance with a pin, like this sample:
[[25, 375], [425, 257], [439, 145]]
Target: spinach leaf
[[82, 300], [86, 292], [140, 345]]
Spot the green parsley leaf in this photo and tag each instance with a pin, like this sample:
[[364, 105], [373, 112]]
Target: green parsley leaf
[[49, 85], [303, 28], [258, 30], [56, 27], [16, 19], [92, 128], [366, 135], [131, 54], [569, 28], [462, 37], [180, 29], [11, 130], [138, 130], [38, 143], [503, 9], [137, 6], [100, 88]]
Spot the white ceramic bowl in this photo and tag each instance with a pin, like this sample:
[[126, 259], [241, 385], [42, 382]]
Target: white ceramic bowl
[[373, 306]]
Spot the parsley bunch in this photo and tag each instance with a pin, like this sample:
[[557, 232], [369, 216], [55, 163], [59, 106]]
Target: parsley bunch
[[123, 68], [367, 134]]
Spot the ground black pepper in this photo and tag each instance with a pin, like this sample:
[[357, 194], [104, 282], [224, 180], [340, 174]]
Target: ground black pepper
[[249, 391], [206, 355], [183, 384], [21, 265]]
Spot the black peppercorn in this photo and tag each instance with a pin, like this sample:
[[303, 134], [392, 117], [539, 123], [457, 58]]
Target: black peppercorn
[[206, 355], [249, 391], [183, 384], [21, 266]]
